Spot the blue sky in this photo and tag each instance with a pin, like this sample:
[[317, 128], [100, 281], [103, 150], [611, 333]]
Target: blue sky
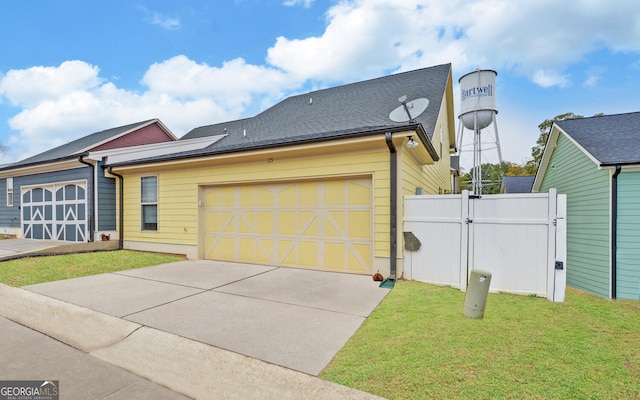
[[72, 67]]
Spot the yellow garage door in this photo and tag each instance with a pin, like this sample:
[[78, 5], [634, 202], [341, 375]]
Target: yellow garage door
[[325, 225]]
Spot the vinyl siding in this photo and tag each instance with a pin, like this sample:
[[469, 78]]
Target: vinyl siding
[[178, 191], [412, 174], [439, 173], [106, 202], [628, 249], [149, 134], [588, 223], [9, 216]]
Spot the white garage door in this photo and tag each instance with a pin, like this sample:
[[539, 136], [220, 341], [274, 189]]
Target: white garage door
[[55, 212], [325, 225]]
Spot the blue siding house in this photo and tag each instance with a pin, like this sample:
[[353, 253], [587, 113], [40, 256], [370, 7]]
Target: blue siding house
[[596, 163], [63, 193]]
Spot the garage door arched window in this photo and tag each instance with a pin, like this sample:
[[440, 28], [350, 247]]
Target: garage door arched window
[[149, 203]]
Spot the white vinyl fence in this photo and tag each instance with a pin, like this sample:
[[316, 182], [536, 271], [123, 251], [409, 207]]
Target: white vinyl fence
[[519, 238]]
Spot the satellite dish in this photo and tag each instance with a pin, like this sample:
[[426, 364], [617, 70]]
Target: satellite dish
[[414, 109]]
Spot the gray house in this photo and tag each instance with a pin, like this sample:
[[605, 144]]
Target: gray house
[[516, 184], [62, 193], [596, 163]]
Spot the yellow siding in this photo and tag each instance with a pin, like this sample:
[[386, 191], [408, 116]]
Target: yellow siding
[[413, 174], [439, 173], [178, 190]]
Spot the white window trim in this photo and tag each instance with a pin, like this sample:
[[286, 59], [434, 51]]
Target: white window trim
[[9, 191], [142, 204]]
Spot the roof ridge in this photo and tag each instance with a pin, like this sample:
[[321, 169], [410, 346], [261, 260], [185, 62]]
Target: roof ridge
[[366, 81]]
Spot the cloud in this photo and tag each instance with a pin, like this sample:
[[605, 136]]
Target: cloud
[[304, 3], [535, 39], [171, 23], [550, 78], [32, 86], [155, 18], [591, 80], [364, 39], [594, 73], [235, 83]]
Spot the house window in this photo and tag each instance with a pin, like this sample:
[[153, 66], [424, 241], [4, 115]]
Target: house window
[[9, 192], [149, 202]]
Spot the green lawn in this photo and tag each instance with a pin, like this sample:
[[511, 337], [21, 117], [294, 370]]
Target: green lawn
[[418, 345], [32, 270]]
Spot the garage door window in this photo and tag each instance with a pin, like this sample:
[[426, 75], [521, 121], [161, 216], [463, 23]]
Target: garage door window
[[149, 203]]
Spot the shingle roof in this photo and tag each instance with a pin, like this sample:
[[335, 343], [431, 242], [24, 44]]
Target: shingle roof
[[518, 184], [330, 113], [78, 146], [611, 139]]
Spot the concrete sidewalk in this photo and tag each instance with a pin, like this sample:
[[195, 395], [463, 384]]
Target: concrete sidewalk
[[199, 327], [29, 355], [10, 247], [17, 248]]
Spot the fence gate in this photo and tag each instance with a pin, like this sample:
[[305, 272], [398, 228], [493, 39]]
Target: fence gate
[[519, 238]]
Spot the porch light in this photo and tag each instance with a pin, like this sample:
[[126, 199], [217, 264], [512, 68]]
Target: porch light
[[412, 144]]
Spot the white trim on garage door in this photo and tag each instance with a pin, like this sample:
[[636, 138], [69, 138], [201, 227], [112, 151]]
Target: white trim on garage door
[[56, 211], [319, 224]]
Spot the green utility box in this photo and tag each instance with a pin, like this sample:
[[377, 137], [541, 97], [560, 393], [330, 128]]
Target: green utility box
[[477, 291]]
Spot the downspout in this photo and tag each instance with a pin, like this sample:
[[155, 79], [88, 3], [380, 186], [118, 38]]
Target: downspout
[[393, 208], [120, 209], [614, 231], [91, 196]]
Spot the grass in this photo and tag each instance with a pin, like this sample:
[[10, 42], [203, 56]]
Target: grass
[[32, 270], [418, 345]]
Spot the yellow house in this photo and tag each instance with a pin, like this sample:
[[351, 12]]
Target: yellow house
[[316, 181]]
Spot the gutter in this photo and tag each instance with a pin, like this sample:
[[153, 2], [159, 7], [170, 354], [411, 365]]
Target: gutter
[[18, 166], [120, 208], [614, 231], [393, 222], [270, 144], [91, 196]]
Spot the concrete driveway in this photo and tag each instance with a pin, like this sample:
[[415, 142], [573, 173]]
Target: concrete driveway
[[12, 247], [294, 318]]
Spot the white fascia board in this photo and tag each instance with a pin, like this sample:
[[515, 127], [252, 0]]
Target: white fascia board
[[153, 150], [42, 168]]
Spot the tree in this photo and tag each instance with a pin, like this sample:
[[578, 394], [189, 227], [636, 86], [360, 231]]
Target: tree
[[545, 129], [491, 177], [519, 170]]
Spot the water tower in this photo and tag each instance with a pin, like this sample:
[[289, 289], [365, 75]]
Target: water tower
[[477, 112]]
